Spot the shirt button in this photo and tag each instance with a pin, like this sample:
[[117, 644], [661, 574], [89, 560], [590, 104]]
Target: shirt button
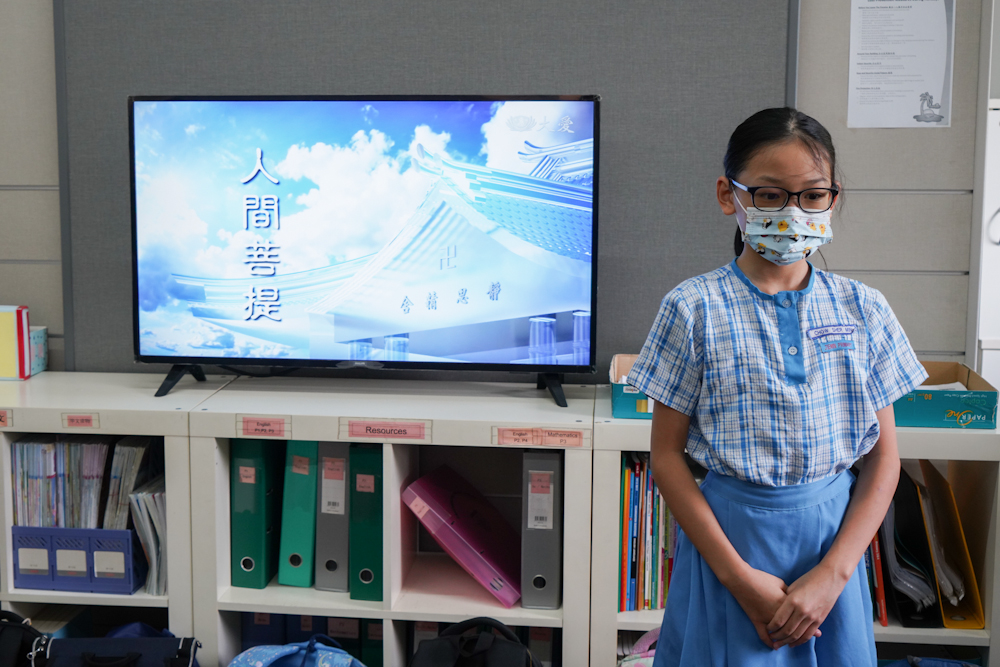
[[786, 303], [793, 350]]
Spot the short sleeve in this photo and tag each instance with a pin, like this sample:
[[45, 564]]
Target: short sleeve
[[669, 368], [893, 368]]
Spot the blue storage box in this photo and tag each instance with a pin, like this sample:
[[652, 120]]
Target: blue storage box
[[51, 559], [627, 402], [976, 407]]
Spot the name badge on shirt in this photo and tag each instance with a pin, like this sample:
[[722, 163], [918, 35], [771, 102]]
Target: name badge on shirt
[[842, 331]]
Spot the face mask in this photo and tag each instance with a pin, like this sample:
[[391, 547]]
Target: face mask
[[788, 235]]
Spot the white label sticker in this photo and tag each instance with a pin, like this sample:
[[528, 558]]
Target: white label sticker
[[539, 500], [71, 563], [109, 564], [33, 561], [333, 489]]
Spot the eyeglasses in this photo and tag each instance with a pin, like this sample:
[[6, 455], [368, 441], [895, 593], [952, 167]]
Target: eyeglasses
[[773, 198]]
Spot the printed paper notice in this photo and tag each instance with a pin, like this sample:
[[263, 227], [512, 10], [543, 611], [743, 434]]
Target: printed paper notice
[[333, 488], [902, 55], [540, 500]]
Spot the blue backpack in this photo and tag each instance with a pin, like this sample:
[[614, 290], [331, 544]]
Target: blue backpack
[[320, 651]]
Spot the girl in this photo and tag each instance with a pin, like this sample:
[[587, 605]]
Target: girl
[[776, 377]]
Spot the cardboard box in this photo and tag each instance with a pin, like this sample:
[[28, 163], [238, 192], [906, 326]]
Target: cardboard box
[[39, 349], [627, 402], [974, 408]]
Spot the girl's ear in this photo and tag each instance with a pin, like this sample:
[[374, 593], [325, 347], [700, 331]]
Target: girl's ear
[[724, 193]]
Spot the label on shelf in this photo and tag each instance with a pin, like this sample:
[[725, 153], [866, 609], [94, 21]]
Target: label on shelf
[[71, 563], [343, 628], [33, 561], [264, 426], [385, 430], [540, 500], [109, 564], [539, 437], [6, 418], [72, 420], [333, 488]]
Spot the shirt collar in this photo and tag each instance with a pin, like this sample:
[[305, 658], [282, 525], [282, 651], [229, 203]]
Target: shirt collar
[[771, 297]]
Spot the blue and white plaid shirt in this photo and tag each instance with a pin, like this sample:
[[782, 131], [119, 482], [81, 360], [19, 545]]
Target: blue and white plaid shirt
[[781, 389]]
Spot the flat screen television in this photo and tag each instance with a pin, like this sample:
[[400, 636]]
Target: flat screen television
[[382, 232]]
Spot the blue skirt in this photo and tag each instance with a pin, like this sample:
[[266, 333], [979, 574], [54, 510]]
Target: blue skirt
[[785, 531]]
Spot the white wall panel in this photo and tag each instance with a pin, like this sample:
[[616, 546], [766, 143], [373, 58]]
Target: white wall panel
[[28, 145], [29, 224], [931, 308], [907, 159], [37, 286], [900, 232]]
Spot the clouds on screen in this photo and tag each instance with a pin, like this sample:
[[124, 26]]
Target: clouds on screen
[[538, 123], [365, 192]]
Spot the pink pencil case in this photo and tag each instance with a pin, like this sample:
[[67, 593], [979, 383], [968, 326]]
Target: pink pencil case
[[470, 530]]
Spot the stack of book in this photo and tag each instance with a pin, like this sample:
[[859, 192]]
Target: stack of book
[[647, 538]]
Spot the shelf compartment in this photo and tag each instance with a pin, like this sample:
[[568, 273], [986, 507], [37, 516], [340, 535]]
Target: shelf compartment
[[438, 589]]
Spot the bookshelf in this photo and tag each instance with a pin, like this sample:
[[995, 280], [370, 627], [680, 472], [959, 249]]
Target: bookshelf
[[971, 456], [118, 404], [418, 586]]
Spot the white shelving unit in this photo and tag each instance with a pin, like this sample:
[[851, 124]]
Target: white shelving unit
[[417, 586], [118, 404], [972, 457]]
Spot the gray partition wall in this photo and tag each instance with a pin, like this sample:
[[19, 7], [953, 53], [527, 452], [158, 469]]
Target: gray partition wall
[[676, 77]]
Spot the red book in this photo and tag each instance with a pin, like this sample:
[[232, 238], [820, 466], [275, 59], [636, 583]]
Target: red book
[[883, 617]]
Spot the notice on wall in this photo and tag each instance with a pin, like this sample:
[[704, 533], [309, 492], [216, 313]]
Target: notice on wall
[[902, 54]]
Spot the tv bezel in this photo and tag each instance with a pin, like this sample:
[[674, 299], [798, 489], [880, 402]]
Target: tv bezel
[[374, 364]]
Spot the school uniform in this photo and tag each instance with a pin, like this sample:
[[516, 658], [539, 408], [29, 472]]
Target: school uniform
[[782, 392]]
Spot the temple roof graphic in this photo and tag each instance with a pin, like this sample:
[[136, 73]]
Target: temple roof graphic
[[484, 246]]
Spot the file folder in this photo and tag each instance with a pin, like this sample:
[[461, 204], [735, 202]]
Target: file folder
[[911, 546], [371, 643], [347, 632], [255, 486], [968, 614], [541, 530], [302, 628], [261, 630], [365, 546], [298, 515], [332, 516]]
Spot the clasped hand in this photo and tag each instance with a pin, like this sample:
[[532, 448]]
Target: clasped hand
[[788, 615]]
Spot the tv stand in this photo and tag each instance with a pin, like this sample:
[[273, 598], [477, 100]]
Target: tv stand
[[177, 372], [553, 382]]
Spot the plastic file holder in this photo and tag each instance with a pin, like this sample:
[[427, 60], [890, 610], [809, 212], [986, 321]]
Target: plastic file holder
[[52, 559]]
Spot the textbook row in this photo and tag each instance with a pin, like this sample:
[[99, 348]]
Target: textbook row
[[311, 512], [362, 638], [89, 513]]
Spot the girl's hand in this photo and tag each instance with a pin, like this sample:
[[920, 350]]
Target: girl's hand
[[761, 595], [808, 601]]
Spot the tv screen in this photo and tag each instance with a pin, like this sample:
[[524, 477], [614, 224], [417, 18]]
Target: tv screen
[[399, 232]]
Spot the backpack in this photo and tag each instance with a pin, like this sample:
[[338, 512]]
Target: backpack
[[643, 652], [483, 649], [19, 642], [320, 651]]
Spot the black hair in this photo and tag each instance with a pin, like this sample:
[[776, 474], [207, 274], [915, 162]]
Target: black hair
[[774, 126]]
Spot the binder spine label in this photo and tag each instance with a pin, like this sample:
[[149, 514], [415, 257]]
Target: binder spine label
[[261, 619], [306, 623], [343, 628], [540, 500], [264, 426], [419, 507], [375, 632], [333, 487], [248, 475], [300, 465], [6, 418], [81, 421], [366, 483]]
